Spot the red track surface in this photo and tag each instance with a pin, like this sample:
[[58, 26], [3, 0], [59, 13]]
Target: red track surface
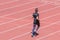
[[16, 20]]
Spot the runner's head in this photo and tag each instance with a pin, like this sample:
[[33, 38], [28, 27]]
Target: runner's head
[[36, 10]]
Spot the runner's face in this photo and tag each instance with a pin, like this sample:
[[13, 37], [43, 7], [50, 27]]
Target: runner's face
[[36, 10]]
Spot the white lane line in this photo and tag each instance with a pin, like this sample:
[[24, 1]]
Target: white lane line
[[54, 3], [21, 11], [28, 16], [27, 24], [50, 34], [29, 32], [8, 2], [18, 5], [51, 16], [32, 2], [18, 18]]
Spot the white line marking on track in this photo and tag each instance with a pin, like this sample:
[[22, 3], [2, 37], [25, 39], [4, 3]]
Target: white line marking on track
[[29, 32], [18, 5], [8, 2], [28, 24], [21, 11], [50, 34], [24, 10], [28, 16]]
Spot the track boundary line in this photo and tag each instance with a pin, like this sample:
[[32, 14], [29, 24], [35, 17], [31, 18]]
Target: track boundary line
[[27, 24], [8, 2], [29, 32], [48, 35], [27, 16], [22, 11], [19, 5]]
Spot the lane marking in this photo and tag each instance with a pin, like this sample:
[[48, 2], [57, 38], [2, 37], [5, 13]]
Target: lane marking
[[28, 24], [50, 34], [29, 32], [28, 16], [8, 2]]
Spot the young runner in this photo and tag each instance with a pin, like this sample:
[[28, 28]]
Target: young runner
[[36, 23]]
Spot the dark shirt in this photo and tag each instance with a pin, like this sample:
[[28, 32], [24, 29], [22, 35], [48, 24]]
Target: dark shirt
[[35, 15]]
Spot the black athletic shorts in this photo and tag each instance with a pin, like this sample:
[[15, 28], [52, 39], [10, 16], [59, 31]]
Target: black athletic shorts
[[37, 22]]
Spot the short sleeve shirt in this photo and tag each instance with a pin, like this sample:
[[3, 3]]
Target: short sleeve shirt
[[35, 15]]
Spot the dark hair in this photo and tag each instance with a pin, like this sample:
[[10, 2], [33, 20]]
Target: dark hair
[[36, 9]]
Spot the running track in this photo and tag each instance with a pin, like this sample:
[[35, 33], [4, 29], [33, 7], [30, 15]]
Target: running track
[[16, 20]]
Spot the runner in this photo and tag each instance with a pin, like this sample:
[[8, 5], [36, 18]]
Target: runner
[[36, 23]]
